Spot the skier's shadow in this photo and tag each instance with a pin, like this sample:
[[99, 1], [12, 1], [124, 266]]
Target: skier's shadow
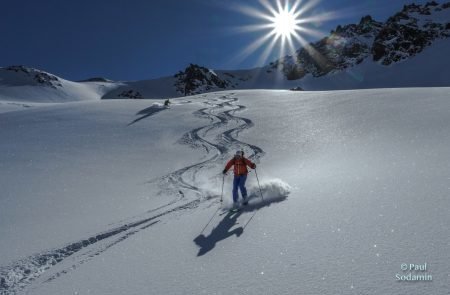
[[145, 113], [220, 232]]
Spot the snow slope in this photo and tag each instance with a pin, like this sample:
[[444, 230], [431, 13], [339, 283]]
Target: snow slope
[[25, 85], [122, 197]]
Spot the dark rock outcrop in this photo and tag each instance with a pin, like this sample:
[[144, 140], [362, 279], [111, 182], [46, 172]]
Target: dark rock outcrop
[[40, 77], [97, 79], [196, 79], [132, 94]]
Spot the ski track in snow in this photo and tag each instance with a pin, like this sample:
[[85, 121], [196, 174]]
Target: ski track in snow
[[181, 183], [218, 145]]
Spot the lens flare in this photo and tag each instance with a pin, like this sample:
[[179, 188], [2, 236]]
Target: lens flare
[[284, 24]]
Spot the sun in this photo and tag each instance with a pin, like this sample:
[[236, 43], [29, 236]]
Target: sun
[[285, 24]]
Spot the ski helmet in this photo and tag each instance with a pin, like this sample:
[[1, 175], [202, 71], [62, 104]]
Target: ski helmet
[[240, 153]]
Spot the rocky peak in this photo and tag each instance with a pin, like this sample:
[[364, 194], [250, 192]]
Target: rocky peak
[[408, 32], [197, 79], [366, 25]]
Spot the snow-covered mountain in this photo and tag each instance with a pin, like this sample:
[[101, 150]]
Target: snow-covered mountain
[[408, 49], [23, 84]]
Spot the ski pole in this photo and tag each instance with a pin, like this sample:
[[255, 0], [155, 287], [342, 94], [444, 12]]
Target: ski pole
[[211, 219], [221, 195], [259, 185]]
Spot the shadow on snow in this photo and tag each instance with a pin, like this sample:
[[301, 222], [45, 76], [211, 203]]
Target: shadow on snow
[[224, 229], [147, 112]]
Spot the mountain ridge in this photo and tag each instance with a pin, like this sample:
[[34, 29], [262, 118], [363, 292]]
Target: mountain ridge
[[380, 46]]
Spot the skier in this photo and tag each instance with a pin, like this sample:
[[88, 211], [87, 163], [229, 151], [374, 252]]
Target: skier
[[240, 164], [166, 102]]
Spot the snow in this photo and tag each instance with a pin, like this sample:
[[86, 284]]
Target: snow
[[20, 86], [429, 68], [423, 70], [438, 16], [121, 196]]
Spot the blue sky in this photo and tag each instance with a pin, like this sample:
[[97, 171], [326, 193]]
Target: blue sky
[[142, 39]]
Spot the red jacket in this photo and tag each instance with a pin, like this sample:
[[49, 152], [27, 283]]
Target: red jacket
[[240, 165]]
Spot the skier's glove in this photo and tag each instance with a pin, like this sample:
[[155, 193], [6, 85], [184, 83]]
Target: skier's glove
[[224, 172], [254, 166]]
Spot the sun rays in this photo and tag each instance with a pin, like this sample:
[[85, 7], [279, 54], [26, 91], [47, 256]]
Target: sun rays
[[283, 27]]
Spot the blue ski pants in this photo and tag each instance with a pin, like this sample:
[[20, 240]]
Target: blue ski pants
[[239, 182]]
